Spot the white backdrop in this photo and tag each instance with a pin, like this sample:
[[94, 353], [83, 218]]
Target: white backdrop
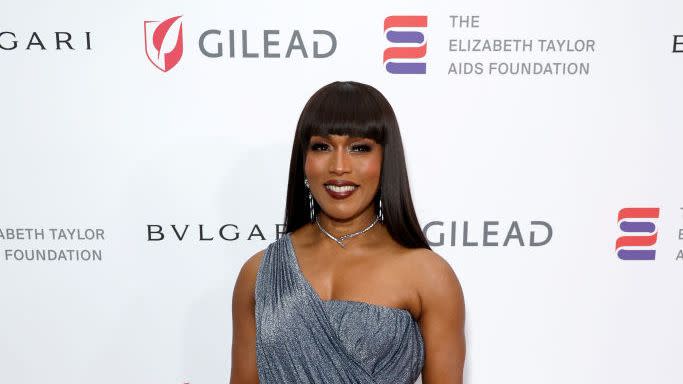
[[101, 138]]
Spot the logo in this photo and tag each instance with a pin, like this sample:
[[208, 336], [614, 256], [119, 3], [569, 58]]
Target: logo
[[164, 42], [62, 41], [411, 44], [489, 233], [639, 224]]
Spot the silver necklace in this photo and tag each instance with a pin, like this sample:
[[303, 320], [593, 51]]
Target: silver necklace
[[339, 240]]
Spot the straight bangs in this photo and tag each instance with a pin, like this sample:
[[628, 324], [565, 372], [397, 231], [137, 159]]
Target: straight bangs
[[353, 112]]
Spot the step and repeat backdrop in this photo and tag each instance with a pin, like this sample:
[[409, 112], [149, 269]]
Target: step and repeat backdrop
[[145, 150]]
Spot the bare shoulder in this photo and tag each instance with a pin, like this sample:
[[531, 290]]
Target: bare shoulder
[[435, 280], [252, 264], [430, 266], [246, 279]]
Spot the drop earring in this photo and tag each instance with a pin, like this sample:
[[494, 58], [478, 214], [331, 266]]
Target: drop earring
[[311, 206], [380, 214]]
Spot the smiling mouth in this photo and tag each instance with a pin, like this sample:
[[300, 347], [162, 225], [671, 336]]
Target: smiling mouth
[[341, 189]]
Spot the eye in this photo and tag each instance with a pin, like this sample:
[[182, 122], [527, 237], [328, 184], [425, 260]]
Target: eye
[[360, 148], [318, 146]]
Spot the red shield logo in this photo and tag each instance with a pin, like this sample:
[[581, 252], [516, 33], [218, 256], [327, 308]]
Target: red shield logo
[[164, 42]]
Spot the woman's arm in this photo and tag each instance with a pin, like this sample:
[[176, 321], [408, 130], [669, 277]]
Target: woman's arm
[[243, 367], [442, 320]]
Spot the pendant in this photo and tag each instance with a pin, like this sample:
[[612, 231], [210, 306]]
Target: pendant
[[347, 236]]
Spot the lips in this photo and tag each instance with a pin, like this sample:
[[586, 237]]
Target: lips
[[339, 182], [340, 189]]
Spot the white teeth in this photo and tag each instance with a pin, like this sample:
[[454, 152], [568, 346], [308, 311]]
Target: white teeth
[[344, 188]]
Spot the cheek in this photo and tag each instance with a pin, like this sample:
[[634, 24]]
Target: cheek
[[312, 166], [371, 168]]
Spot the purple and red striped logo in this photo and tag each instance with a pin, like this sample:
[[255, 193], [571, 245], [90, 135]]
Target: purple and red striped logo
[[639, 224], [406, 33]]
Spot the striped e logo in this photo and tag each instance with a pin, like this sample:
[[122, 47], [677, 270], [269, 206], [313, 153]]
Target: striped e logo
[[639, 224], [405, 33]]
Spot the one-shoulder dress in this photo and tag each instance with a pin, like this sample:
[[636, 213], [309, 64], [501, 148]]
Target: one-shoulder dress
[[303, 339]]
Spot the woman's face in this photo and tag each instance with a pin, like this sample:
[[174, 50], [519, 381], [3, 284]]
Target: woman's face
[[333, 161]]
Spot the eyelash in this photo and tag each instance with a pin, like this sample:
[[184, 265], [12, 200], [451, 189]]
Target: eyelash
[[363, 147]]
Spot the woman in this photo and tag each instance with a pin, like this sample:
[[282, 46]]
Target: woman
[[352, 293]]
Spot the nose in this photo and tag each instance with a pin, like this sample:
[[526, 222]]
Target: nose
[[341, 162]]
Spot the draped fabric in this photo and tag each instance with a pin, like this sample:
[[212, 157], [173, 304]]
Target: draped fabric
[[303, 339]]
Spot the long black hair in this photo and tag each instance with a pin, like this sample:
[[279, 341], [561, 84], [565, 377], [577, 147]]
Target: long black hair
[[358, 110]]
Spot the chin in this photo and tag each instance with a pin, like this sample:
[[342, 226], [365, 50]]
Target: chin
[[342, 214]]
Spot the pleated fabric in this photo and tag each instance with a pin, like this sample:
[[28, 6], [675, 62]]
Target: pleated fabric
[[303, 339]]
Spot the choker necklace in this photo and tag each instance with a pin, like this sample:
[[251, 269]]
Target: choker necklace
[[339, 240]]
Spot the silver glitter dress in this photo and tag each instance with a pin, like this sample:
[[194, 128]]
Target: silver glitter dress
[[303, 339]]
